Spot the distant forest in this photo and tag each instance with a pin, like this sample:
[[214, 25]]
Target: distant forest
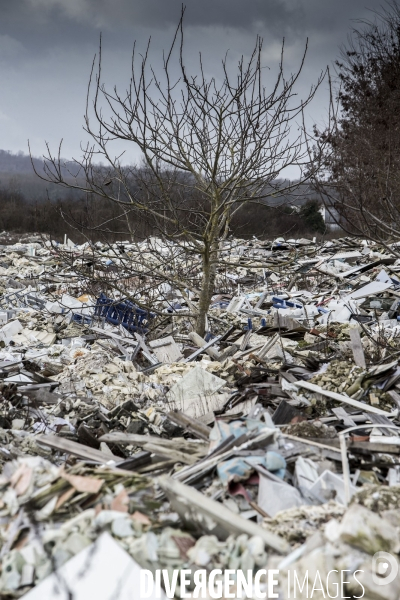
[[28, 204]]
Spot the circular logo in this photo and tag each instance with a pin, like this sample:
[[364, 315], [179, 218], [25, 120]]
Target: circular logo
[[385, 568]]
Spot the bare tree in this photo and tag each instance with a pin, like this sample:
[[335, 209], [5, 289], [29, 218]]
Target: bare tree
[[209, 146]]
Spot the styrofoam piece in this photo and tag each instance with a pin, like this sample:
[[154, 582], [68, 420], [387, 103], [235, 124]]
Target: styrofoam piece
[[54, 307], [331, 486], [375, 287], [102, 570], [8, 331]]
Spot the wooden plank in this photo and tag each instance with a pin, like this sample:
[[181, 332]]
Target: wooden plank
[[395, 397], [141, 459], [381, 420], [228, 333], [361, 447], [115, 336], [70, 447], [357, 348], [195, 427], [246, 340], [230, 351], [340, 398], [251, 350], [153, 360], [166, 350], [201, 343], [172, 454], [368, 447], [203, 349], [344, 417], [157, 464], [308, 442], [137, 439], [288, 376], [268, 345], [28, 387], [188, 501], [119, 437], [261, 299]]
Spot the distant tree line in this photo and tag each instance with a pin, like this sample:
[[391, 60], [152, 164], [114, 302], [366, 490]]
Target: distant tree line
[[28, 204], [88, 217]]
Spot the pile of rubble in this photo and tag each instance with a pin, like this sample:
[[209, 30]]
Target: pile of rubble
[[272, 443]]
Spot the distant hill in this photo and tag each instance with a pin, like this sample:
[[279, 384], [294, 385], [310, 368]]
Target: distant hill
[[17, 175], [17, 163]]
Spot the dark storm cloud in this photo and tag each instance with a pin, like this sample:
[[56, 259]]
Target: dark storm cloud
[[46, 49], [156, 14], [48, 20]]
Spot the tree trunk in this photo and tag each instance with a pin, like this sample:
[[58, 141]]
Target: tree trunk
[[207, 287]]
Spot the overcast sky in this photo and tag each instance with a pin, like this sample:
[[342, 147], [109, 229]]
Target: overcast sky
[[47, 47]]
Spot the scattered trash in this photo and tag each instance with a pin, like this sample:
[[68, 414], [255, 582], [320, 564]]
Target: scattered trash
[[128, 441]]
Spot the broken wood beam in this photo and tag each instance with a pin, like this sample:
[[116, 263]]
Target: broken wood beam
[[201, 343], [356, 346], [191, 424], [340, 398], [69, 447], [215, 516], [201, 350]]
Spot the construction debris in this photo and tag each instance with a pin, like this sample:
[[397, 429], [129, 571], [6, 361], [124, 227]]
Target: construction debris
[[130, 442]]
